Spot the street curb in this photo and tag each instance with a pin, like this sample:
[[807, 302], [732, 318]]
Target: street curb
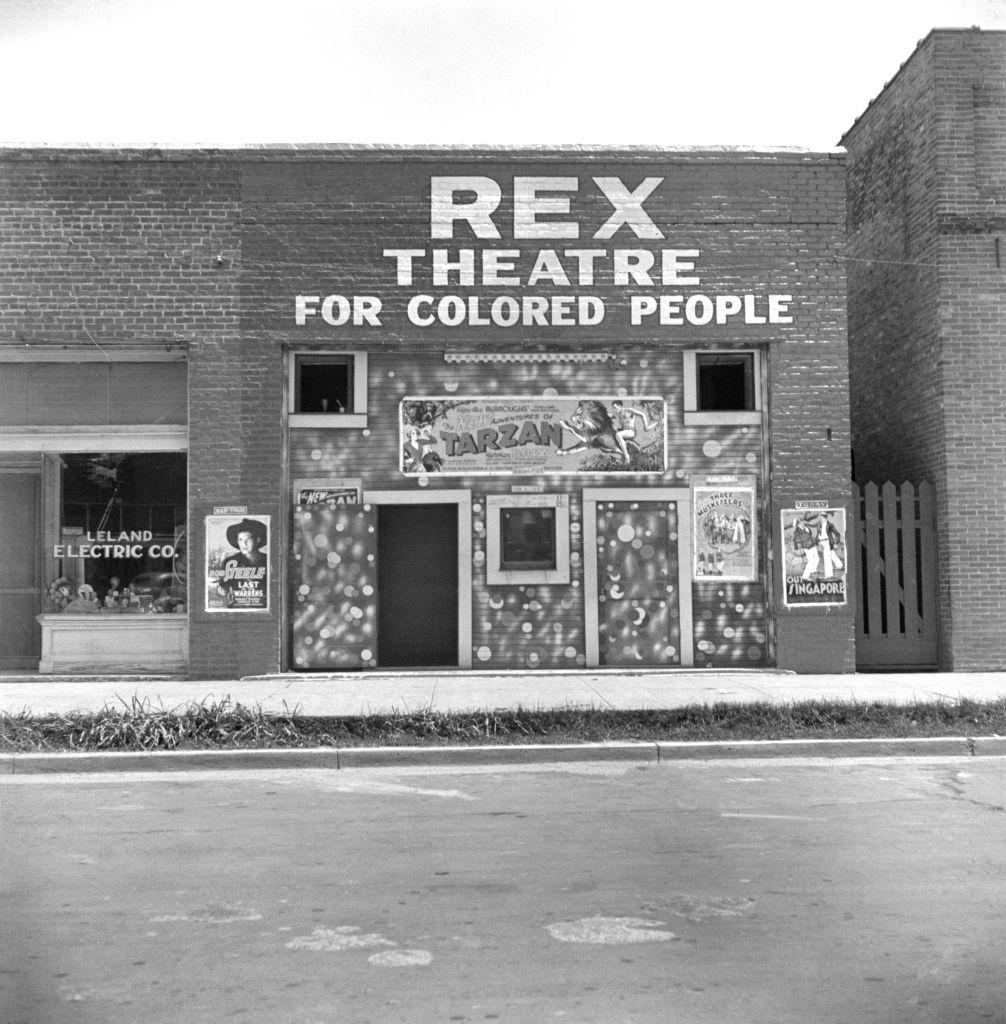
[[929, 746], [527, 753], [439, 756]]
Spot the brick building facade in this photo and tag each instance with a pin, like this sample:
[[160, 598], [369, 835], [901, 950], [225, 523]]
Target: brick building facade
[[927, 313], [482, 408]]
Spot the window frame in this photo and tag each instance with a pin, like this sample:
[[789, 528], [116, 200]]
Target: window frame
[[695, 417], [529, 564], [495, 573], [355, 418]]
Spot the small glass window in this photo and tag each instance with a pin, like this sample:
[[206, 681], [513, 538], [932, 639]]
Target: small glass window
[[324, 384], [527, 538], [725, 381]]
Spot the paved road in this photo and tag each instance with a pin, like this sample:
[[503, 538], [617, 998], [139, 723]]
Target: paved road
[[700, 893]]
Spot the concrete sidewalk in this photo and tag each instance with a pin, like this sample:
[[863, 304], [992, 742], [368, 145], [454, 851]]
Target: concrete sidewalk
[[356, 693]]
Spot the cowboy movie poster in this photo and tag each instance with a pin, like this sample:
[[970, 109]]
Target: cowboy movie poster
[[513, 435], [237, 563], [815, 555], [724, 533]]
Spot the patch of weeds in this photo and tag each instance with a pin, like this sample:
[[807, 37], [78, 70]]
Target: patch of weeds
[[226, 724]]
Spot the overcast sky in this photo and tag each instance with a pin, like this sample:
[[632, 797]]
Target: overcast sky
[[660, 72]]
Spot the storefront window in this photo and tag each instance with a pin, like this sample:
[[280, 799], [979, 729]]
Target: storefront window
[[122, 533]]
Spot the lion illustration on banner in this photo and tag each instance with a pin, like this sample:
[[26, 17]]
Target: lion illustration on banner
[[610, 433], [592, 426]]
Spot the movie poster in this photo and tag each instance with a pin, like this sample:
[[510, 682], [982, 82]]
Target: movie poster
[[515, 435], [237, 563], [815, 555], [724, 535], [327, 493]]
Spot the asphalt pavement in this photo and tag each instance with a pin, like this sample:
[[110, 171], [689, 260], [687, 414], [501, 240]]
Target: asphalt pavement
[[786, 892]]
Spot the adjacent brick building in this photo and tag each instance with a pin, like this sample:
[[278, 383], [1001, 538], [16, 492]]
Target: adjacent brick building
[[927, 314], [352, 408]]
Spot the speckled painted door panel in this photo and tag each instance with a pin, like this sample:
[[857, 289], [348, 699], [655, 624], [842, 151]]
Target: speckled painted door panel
[[637, 583], [335, 600]]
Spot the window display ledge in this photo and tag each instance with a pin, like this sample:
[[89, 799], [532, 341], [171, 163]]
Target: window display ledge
[[104, 643]]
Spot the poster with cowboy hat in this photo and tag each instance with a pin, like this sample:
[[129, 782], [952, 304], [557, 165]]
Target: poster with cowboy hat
[[237, 563]]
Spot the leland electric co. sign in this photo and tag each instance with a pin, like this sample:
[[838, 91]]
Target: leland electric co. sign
[[548, 254]]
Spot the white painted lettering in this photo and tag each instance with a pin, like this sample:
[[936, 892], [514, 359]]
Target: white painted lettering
[[443, 265], [562, 311], [673, 261], [585, 259], [528, 205], [496, 260], [451, 310], [632, 267], [628, 208], [548, 268], [778, 308], [670, 310], [641, 306], [590, 310], [726, 307], [445, 210], [403, 262], [505, 311], [303, 307], [414, 311], [535, 311], [366, 310], [750, 316], [336, 310], [699, 309]]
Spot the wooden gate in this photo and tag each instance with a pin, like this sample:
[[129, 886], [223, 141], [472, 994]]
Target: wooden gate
[[896, 606]]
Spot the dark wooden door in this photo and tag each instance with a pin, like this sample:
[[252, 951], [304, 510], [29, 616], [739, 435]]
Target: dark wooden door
[[20, 569], [417, 585]]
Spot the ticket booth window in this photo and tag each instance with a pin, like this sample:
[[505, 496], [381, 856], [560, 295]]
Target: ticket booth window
[[527, 538]]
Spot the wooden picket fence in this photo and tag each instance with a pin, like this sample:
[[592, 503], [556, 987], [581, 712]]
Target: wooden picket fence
[[896, 609]]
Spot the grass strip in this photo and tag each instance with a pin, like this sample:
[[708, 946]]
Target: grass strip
[[226, 724]]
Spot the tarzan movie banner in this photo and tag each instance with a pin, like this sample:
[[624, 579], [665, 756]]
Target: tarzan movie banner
[[520, 435], [724, 533], [815, 555]]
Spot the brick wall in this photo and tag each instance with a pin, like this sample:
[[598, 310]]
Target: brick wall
[[927, 306], [763, 223], [121, 249]]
